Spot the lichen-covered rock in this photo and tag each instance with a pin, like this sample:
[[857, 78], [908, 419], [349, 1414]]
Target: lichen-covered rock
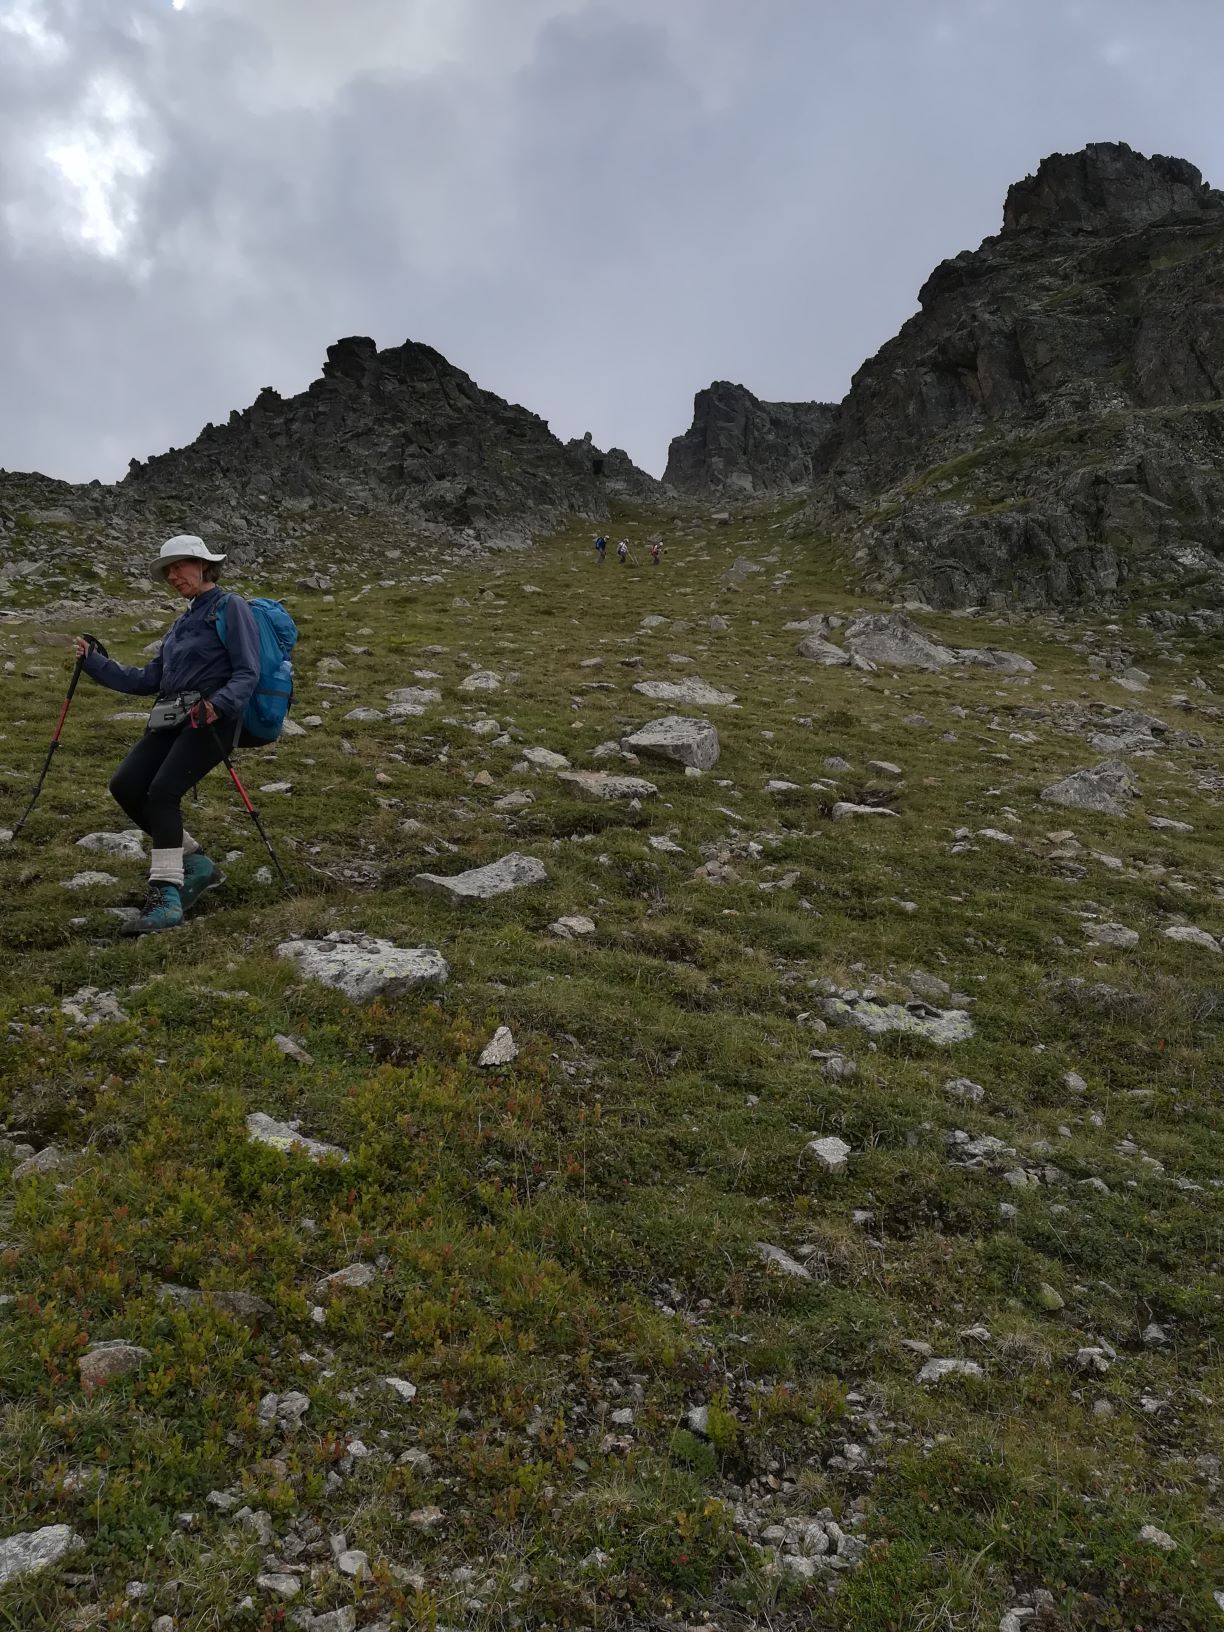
[[605, 787], [265, 1130], [32, 1551], [102, 1362], [684, 691], [363, 967], [512, 872]]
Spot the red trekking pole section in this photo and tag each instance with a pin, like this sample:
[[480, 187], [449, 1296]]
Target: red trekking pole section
[[77, 671]]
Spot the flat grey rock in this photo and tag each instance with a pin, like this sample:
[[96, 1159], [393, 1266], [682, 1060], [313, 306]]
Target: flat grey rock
[[265, 1130], [684, 691], [605, 787], [567, 929], [244, 1306], [920, 1019], [410, 701], [512, 872], [545, 759], [351, 1276], [844, 811], [32, 1551], [88, 881], [363, 967], [678, 738]]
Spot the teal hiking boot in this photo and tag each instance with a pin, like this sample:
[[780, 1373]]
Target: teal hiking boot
[[163, 909], [199, 874]]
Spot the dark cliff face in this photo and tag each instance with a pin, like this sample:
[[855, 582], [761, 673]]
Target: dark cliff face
[[738, 444], [1065, 376], [400, 431]]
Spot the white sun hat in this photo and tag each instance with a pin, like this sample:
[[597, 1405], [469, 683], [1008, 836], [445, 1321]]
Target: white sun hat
[[184, 547]]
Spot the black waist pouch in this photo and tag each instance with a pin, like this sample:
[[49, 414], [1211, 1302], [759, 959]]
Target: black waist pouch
[[169, 713]]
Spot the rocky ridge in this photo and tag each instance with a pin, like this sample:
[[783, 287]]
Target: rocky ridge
[[1046, 429]]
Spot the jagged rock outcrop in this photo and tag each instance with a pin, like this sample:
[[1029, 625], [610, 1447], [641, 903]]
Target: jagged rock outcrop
[[1047, 427], [614, 470], [393, 448], [739, 444], [400, 431]]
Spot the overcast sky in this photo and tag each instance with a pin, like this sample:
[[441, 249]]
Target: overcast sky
[[594, 207]]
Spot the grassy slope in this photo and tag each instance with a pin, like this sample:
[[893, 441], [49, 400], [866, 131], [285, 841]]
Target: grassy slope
[[575, 1235]]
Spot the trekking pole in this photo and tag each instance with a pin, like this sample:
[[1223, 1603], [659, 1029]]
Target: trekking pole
[[252, 812], [77, 670]]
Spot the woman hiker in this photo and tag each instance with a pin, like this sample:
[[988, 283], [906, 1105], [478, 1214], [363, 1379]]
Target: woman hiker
[[200, 681]]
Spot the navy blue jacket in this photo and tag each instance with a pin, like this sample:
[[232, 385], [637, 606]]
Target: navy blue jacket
[[193, 657]]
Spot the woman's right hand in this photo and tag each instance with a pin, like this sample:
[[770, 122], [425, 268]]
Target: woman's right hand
[[82, 646]]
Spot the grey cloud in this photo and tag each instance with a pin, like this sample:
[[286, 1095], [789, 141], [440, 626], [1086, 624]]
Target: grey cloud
[[593, 206]]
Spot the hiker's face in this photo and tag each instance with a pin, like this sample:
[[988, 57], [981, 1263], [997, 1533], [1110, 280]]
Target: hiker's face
[[187, 577]]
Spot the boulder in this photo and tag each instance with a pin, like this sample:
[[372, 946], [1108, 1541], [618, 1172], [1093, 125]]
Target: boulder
[[1106, 788], [102, 1362], [823, 651], [692, 691], [676, 737], [891, 640]]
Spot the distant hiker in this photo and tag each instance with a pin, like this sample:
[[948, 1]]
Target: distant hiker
[[656, 550], [205, 674], [601, 548], [622, 553]]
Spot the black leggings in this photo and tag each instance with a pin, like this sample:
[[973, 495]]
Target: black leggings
[[161, 768]]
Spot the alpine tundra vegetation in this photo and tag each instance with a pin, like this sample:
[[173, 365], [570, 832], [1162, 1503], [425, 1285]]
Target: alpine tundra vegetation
[[724, 1130]]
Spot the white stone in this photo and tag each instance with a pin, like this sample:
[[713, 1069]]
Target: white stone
[[936, 1370], [830, 1151], [783, 1261], [500, 1049], [512, 872], [265, 1130], [89, 1007], [678, 738], [128, 844], [481, 680], [1166, 824], [32, 1551], [88, 880], [692, 691], [544, 759], [365, 715], [568, 928], [1158, 1538], [351, 1276], [400, 1387], [843, 810], [363, 967]]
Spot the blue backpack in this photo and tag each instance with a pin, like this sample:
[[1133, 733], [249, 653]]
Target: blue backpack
[[264, 716]]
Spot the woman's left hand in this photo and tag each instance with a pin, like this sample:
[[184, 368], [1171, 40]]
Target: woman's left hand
[[210, 714]]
